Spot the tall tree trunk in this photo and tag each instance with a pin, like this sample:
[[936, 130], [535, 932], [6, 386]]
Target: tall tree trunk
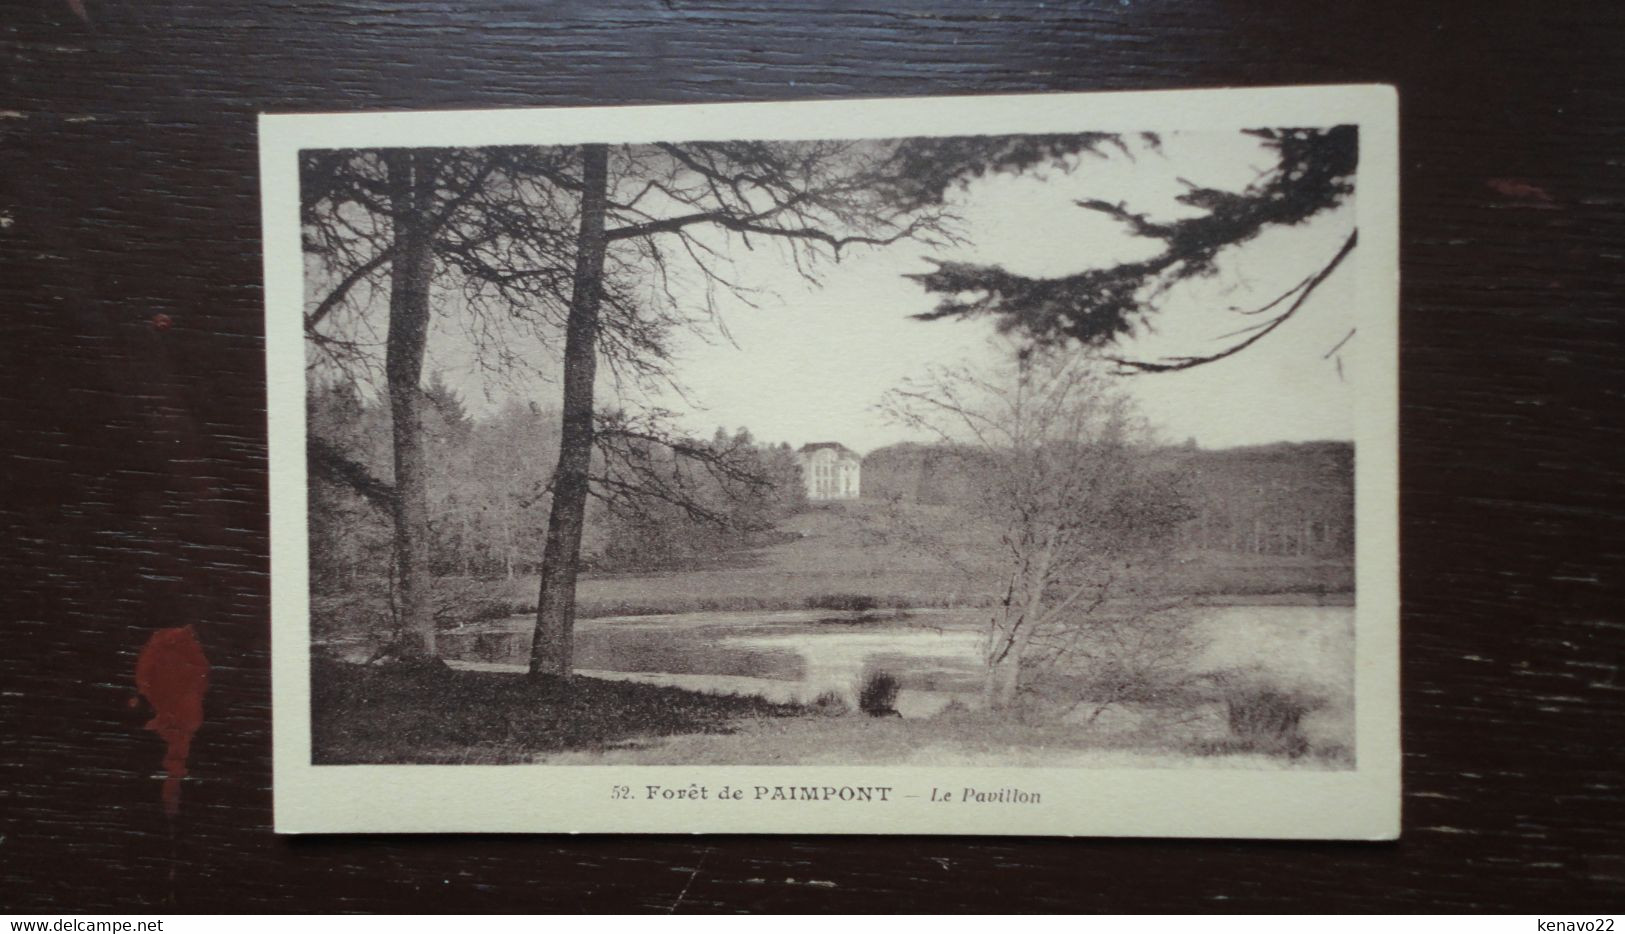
[[1004, 667], [410, 272], [552, 649], [507, 546], [999, 684], [467, 545], [1001, 678]]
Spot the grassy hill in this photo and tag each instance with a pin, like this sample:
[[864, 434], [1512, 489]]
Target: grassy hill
[[861, 555]]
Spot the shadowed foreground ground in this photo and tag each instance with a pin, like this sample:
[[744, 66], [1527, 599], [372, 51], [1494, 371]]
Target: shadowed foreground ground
[[436, 715], [390, 714]]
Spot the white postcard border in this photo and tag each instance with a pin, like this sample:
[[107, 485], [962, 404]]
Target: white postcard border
[[1363, 803]]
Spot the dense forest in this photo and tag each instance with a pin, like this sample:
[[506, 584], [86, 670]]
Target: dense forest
[[488, 512], [1276, 499]]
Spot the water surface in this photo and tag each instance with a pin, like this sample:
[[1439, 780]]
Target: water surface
[[798, 655]]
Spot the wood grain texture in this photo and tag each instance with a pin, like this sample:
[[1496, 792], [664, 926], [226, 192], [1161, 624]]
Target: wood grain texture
[[134, 456]]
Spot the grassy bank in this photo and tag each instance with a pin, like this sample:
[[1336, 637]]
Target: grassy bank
[[434, 715], [970, 740]]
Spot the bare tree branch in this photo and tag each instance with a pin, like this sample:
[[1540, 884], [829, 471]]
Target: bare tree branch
[[1172, 364]]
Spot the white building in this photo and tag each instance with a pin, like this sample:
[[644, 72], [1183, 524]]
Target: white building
[[830, 470]]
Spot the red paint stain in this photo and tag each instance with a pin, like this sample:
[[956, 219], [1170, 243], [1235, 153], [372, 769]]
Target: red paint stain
[[172, 673], [161, 321], [1519, 190]]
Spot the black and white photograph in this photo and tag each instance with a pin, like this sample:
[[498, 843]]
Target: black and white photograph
[[1035, 450]]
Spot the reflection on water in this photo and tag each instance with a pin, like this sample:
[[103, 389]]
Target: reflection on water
[[1304, 646], [931, 664], [797, 655], [638, 647]]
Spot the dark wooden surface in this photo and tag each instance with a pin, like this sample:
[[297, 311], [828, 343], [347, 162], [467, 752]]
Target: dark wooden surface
[[134, 455]]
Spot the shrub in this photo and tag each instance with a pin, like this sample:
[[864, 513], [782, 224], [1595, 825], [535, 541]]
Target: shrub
[[842, 601], [830, 704], [877, 694], [1265, 711], [1132, 658], [1264, 718], [497, 646]]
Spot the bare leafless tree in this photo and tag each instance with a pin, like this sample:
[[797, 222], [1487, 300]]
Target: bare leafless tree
[[607, 250], [373, 224], [394, 239], [1065, 480], [650, 217]]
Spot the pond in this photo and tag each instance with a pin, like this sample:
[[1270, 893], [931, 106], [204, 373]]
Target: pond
[[797, 655]]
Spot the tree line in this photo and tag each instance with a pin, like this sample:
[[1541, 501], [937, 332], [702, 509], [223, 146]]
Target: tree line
[[487, 512], [1278, 499]]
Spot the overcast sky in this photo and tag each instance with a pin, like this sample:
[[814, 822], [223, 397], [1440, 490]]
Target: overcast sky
[[812, 365], [812, 362]]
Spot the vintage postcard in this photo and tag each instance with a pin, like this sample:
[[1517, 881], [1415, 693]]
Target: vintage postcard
[[962, 465]]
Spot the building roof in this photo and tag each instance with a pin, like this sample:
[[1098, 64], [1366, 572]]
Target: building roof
[[835, 446]]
